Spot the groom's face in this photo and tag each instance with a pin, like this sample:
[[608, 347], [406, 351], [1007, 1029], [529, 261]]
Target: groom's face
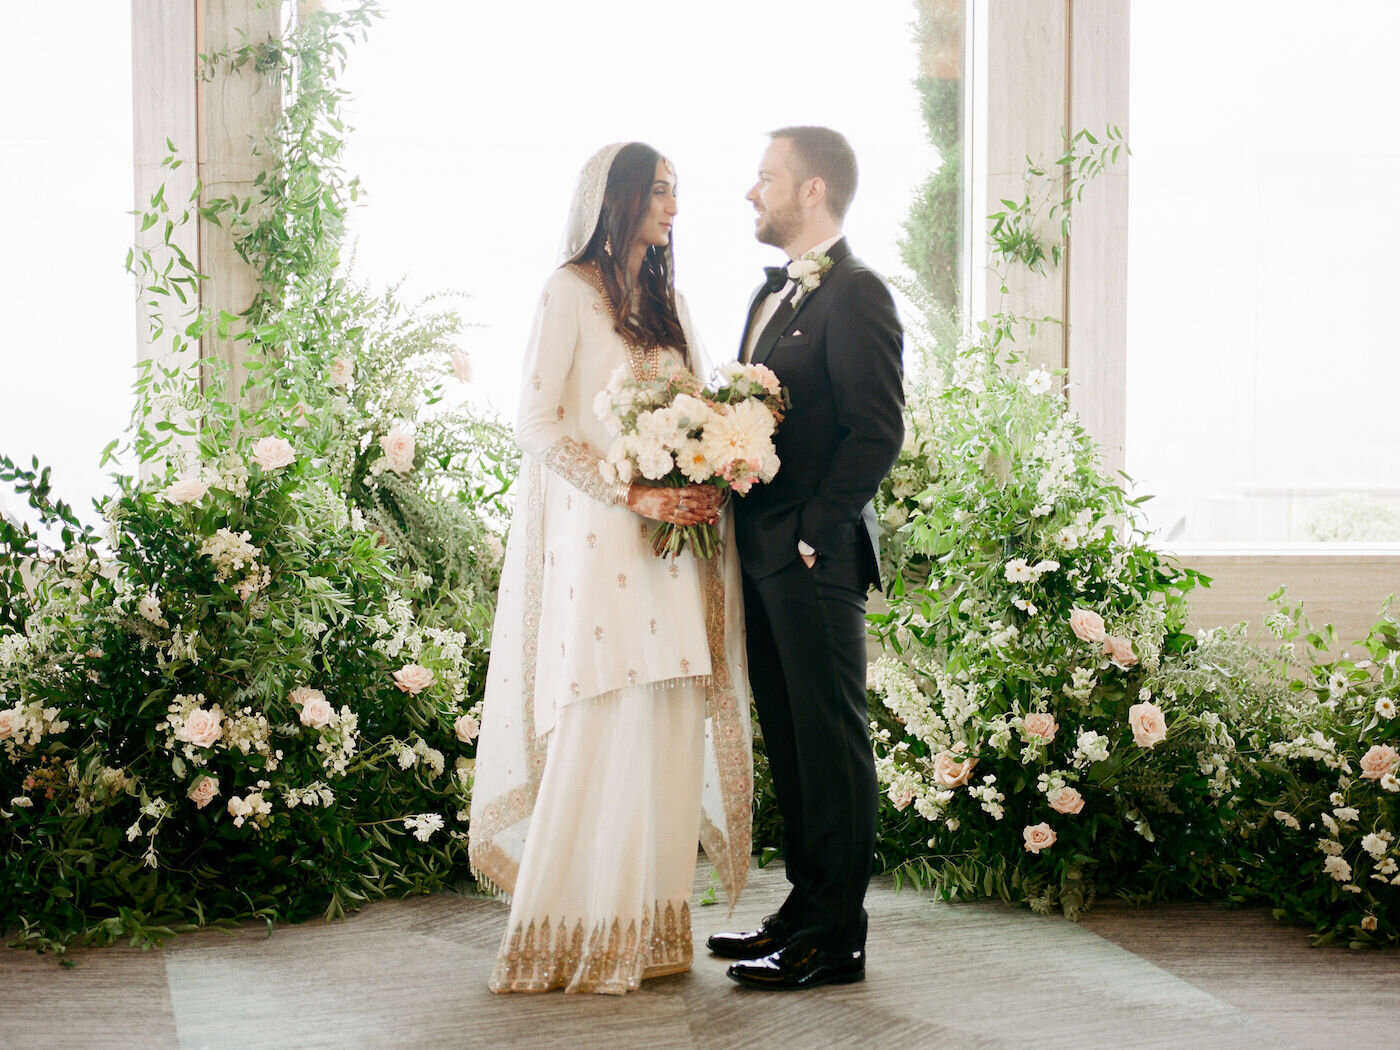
[[774, 197]]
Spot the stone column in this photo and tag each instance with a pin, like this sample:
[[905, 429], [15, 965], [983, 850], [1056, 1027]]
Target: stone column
[[1044, 68]]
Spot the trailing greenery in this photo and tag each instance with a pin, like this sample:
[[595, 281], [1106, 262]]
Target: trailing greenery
[[255, 695]]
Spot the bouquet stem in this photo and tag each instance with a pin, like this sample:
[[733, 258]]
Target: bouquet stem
[[668, 538]]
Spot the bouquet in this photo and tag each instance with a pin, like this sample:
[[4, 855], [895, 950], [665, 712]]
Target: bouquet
[[674, 431]]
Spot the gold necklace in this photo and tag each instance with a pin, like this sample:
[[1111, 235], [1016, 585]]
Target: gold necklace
[[645, 362]]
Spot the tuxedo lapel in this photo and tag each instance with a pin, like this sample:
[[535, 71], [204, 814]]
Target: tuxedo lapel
[[787, 313], [772, 330]]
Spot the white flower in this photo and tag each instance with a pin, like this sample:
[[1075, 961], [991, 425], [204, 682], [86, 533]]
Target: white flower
[[1066, 539], [1347, 813], [1287, 819], [1018, 570], [1337, 685], [1025, 606], [186, 490], [399, 447], [1390, 783], [1338, 868], [273, 453], [1039, 382], [896, 514], [743, 434], [1385, 707], [1331, 847], [690, 458], [300, 419], [1091, 747], [1375, 845], [341, 371], [24, 802], [423, 825], [462, 365], [466, 728], [149, 608]]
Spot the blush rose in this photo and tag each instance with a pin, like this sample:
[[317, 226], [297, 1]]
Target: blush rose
[[1038, 837], [1087, 625], [1148, 723]]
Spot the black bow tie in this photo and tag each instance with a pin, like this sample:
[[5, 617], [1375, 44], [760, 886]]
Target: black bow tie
[[777, 278]]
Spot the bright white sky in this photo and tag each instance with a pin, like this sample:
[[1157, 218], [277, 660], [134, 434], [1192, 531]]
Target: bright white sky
[[1266, 159], [472, 123]]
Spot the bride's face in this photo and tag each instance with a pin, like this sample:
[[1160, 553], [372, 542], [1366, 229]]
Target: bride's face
[[661, 213]]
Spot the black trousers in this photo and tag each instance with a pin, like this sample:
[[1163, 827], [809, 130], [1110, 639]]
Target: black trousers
[[806, 650]]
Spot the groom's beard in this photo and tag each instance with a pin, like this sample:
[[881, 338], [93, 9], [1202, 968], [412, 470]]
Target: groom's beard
[[781, 226]]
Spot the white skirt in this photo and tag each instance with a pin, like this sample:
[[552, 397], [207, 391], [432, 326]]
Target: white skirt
[[602, 900]]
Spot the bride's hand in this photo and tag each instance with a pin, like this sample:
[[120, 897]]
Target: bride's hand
[[691, 505]]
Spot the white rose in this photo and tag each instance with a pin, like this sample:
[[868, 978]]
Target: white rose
[[413, 679], [315, 710], [273, 453], [186, 490], [466, 728], [300, 420], [341, 371], [462, 365], [399, 447]]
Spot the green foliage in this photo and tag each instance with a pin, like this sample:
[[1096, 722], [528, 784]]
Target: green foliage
[[255, 696], [929, 244]]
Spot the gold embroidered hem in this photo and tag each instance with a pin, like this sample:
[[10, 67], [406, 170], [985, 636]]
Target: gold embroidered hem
[[606, 961]]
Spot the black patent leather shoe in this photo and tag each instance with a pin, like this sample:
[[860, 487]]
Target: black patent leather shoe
[[767, 939], [798, 966]]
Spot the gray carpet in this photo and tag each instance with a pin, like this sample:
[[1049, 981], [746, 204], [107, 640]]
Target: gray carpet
[[413, 974]]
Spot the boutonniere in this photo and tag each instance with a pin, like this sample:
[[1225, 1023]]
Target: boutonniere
[[808, 272]]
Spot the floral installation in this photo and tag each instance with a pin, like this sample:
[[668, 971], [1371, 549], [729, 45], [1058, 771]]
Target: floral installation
[[674, 431], [254, 692]]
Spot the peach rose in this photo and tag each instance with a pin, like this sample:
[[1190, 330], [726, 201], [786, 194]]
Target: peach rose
[[462, 365], [1087, 625], [1039, 725], [949, 771], [341, 371], [8, 717], [202, 791], [1038, 837], [300, 414], [1120, 649], [1066, 800], [398, 449], [466, 728], [1148, 723], [202, 728], [186, 490], [413, 679], [272, 453], [1378, 761]]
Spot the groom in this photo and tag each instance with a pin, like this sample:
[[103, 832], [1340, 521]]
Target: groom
[[809, 547]]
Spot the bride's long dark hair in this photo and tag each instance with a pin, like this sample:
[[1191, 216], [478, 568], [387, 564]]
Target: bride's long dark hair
[[645, 307]]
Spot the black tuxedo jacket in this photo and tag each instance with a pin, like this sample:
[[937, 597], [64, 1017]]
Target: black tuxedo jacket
[[840, 355]]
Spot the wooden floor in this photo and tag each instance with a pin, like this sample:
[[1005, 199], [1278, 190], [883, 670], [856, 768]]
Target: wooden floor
[[413, 974]]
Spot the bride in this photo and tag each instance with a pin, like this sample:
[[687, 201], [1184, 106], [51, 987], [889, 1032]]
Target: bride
[[616, 728]]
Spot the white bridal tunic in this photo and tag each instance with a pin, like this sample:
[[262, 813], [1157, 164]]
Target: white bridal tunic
[[616, 728]]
